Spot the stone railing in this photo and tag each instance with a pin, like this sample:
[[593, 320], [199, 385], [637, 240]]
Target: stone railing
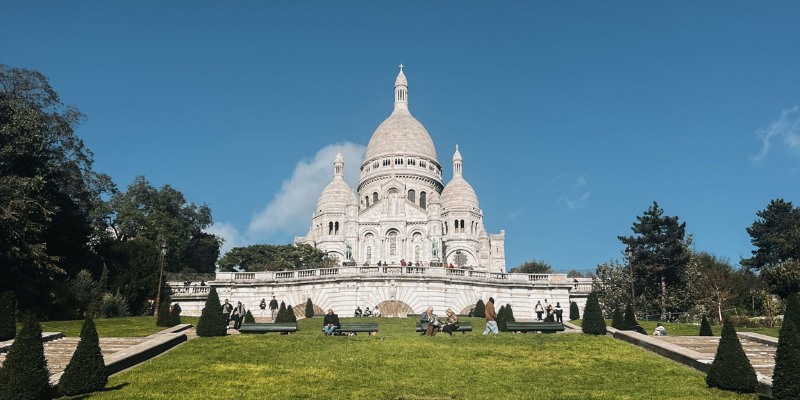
[[180, 288], [392, 271], [581, 285]]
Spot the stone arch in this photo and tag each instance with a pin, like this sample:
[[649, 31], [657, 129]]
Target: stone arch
[[300, 311], [394, 308], [472, 258], [465, 310]]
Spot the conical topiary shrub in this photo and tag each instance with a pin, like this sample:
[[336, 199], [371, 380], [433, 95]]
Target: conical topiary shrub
[[705, 327], [509, 315], [574, 313], [480, 309], [212, 321], [785, 384], [731, 370], [281, 317], [86, 371], [616, 319], [593, 322], [164, 318], [501, 319], [629, 323], [309, 309], [248, 318], [24, 373], [290, 317], [8, 316], [175, 315]]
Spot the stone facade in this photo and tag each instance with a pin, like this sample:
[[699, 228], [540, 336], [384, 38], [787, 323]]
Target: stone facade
[[401, 211]]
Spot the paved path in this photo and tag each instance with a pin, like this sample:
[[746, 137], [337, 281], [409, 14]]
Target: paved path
[[761, 355]]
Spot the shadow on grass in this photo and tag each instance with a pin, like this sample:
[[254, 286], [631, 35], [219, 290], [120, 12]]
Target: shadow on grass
[[89, 395]]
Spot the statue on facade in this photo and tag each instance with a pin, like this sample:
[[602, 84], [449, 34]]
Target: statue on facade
[[435, 249], [348, 251]]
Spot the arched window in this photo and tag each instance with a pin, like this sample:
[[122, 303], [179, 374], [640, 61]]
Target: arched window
[[462, 226], [366, 201], [369, 253], [423, 203], [330, 228], [412, 196], [336, 228], [393, 243], [374, 197], [445, 227]]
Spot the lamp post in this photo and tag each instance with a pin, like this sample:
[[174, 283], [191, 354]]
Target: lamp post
[[160, 277], [629, 255]]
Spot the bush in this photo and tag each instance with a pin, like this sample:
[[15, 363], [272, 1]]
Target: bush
[[212, 321], [8, 316], [629, 323], [163, 318], [248, 318], [705, 327], [113, 306], [24, 372], [574, 313], [86, 371], [593, 322], [290, 317], [785, 384], [501, 319], [616, 319], [480, 309], [731, 370], [175, 315], [309, 309], [509, 315]]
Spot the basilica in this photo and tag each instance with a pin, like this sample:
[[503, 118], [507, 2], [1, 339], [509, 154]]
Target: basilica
[[401, 213]]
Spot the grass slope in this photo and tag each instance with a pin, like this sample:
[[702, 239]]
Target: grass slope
[[113, 327], [400, 364]]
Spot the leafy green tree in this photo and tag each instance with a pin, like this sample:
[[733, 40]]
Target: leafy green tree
[[612, 285], [248, 318], [716, 282], [533, 267], [480, 309], [593, 322], [164, 318], [24, 372], [574, 312], [8, 316], [134, 270], [616, 319], [290, 315], [86, 371], [309, 309], [212, 321], [705, 327], [501, 319], [175, 315], [659, 251], [265, 257], [629, 323], [785, 384], [777, 246], [731, 370]]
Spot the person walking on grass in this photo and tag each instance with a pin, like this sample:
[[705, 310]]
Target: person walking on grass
[[227, 309], [491, 324]]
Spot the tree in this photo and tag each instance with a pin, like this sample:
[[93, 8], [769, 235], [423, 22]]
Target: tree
[[716, 282], [616, 319], [785, 384], [309, 309], [731, 370], [593, 322], [290, 316], [86, 371], [533, 267], [282, 317], [265, 257], [574, 312], [659, 250], [248, 318], [705, 328], [164, 318], [777, 246], [134, 270], [509, 315], [480, 309], [175, 315], [501, 319], [212, 321], [8, 316], [24, 372], [629, 323], [612, 285]]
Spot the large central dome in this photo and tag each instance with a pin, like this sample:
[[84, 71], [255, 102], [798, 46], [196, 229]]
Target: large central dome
[[401, 133]]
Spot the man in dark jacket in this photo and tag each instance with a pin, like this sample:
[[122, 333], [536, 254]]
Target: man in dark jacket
[[491, 324], [330, 323], [273, 307]]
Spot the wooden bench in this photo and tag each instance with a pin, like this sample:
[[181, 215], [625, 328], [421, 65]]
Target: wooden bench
[[463, 327], [355, 328], [287, 327], [544, 327]]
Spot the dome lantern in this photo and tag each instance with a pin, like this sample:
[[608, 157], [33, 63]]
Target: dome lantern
[[401, 91]]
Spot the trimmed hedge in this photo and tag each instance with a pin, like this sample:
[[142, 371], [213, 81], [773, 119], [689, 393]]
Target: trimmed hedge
[[616, 319], [8, 316], [212, 321], [480, 309], [86, 371], [248, 318], [629, 323], [501, 319], [705, 327], [164, 318], [309, 309], [290, 317], [785, 384], [24, 372], [282, 317], [593, 322], [574, 313], [731, 370]]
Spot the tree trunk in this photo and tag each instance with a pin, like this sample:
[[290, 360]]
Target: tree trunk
[[719, 310], [663, 296]]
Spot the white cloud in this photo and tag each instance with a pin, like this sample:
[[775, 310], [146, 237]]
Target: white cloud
[[229, 233], [577, 194], [515, 214], [291, 209], [786, 129]]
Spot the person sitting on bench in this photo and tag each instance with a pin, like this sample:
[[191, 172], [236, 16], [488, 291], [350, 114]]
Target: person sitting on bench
[[330, 323], [452, 323], [429, 322]]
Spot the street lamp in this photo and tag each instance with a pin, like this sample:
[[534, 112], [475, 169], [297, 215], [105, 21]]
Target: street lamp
[[160, 276], [629, 255]]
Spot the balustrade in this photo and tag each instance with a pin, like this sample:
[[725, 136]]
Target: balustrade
[[244, 275], [284, 275]]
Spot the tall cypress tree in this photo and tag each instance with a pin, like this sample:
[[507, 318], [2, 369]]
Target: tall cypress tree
[[616, 319], [501, 319], [8, 316], [309, 309], [24, 372], [785, 384], [630, 318], [290, 317], [86, 371], [731, 370], [509, 315], [593, 322], [480, 309], [574, 312], [212, 321], [248, 318], [705, 327], [282, 317]]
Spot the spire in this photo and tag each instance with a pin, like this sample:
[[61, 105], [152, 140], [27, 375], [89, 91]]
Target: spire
[[338, 164], [401, 91], [457, 163]]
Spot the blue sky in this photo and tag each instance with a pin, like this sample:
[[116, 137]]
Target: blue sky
[[571, 118]]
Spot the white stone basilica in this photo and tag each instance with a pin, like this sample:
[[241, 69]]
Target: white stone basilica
[[402, 211]]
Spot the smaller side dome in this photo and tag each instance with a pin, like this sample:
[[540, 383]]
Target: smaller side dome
[[336, 196], [459, 194]]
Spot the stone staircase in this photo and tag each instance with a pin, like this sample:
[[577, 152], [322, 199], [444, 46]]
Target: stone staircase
[[59, 352], [761, 355]]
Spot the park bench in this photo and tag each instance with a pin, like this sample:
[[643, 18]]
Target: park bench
[[355, 328], [463, 327], [544, 327], [287, 327]]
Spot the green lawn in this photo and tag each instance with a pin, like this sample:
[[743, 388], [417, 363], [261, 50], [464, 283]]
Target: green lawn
[[680, 329], [112, 327], [399, 364]]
